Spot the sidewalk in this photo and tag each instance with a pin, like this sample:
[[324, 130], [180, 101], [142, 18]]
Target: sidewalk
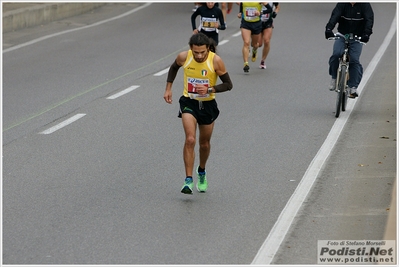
[[18, 16], [354, 197]]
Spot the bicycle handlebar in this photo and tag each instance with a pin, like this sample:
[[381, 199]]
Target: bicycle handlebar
[[340, 35]]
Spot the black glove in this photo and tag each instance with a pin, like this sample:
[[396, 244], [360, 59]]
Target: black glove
[[365, 38], [329, 33], [274, 14]]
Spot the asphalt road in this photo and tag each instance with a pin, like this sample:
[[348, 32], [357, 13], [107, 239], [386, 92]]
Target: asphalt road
[[105, 189]]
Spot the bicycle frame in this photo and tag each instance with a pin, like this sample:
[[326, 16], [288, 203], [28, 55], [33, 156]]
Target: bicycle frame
[[343, 74], [343, 61]]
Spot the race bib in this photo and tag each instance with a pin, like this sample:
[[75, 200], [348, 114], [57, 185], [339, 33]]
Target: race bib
[[265, 17], [209, 24], [191, 83], [250, 13]]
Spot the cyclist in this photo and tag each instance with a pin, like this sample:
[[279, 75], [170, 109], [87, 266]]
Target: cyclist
[[198, 106], [269, 12], [211, 21], [352, 18]]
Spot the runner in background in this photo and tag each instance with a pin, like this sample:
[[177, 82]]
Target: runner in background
[[196, 5], [269, 12], [226, 9], [211, 21], [251, 28]]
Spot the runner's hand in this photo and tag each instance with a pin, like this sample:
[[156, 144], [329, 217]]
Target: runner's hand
[[201, 89], [168, 96]]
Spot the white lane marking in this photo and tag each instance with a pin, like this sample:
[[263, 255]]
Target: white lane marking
[[237, 34], [127, 90], [77, 29], [276, 236], [162, 72], [63, 124], [223, 42]]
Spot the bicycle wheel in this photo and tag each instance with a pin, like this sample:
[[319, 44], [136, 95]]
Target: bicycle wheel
[[340, 91], [346, 93]]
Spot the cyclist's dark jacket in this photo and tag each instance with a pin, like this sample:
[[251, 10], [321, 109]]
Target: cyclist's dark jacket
[[358, 19]]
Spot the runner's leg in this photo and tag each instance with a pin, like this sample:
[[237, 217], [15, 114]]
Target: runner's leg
[[255, 40], [246, 37], [190, 127], [205, 133], [267, 35]]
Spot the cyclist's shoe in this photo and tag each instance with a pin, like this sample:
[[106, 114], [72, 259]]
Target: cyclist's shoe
[[262, 65], [188, 186], [202, 183], [254, 54], [333, 83], [353, 92], [246, 67]]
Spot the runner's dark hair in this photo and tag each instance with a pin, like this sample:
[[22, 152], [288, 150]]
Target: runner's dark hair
[[200, 39]]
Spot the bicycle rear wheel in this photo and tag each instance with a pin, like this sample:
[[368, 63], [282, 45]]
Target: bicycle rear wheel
[[346, 93], [338, 104]]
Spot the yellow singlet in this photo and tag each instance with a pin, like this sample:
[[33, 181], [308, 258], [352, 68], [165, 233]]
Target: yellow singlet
[[248, 11], [199, 73]]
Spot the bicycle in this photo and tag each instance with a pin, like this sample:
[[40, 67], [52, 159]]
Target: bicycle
[[343, 73]]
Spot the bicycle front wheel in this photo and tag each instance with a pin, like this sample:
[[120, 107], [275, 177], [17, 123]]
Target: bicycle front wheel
[[340, 91]]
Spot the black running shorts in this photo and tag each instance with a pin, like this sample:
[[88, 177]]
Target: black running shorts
[[254, 27], [205, 113], [213, 35], [267, 24]]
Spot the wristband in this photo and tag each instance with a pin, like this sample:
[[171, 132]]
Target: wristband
[[209, 90]]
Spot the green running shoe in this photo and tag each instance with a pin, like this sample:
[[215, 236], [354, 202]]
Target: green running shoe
[[202, 183], [188, 186]]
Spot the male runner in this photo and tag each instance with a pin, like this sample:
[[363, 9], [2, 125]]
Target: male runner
[[198, 106]]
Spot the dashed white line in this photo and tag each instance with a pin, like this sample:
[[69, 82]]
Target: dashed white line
[[223, 42], [162, 72], [63, 124], [127, 90], [237, 34]]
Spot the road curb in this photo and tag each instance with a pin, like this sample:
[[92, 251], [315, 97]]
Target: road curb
[[390, 230], [34, 15]]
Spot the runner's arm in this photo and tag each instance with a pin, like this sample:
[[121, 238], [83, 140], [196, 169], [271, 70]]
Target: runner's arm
[[181, 58], [222, 25], [172, 72], [193, 18], [220, 69], [227, 85]]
